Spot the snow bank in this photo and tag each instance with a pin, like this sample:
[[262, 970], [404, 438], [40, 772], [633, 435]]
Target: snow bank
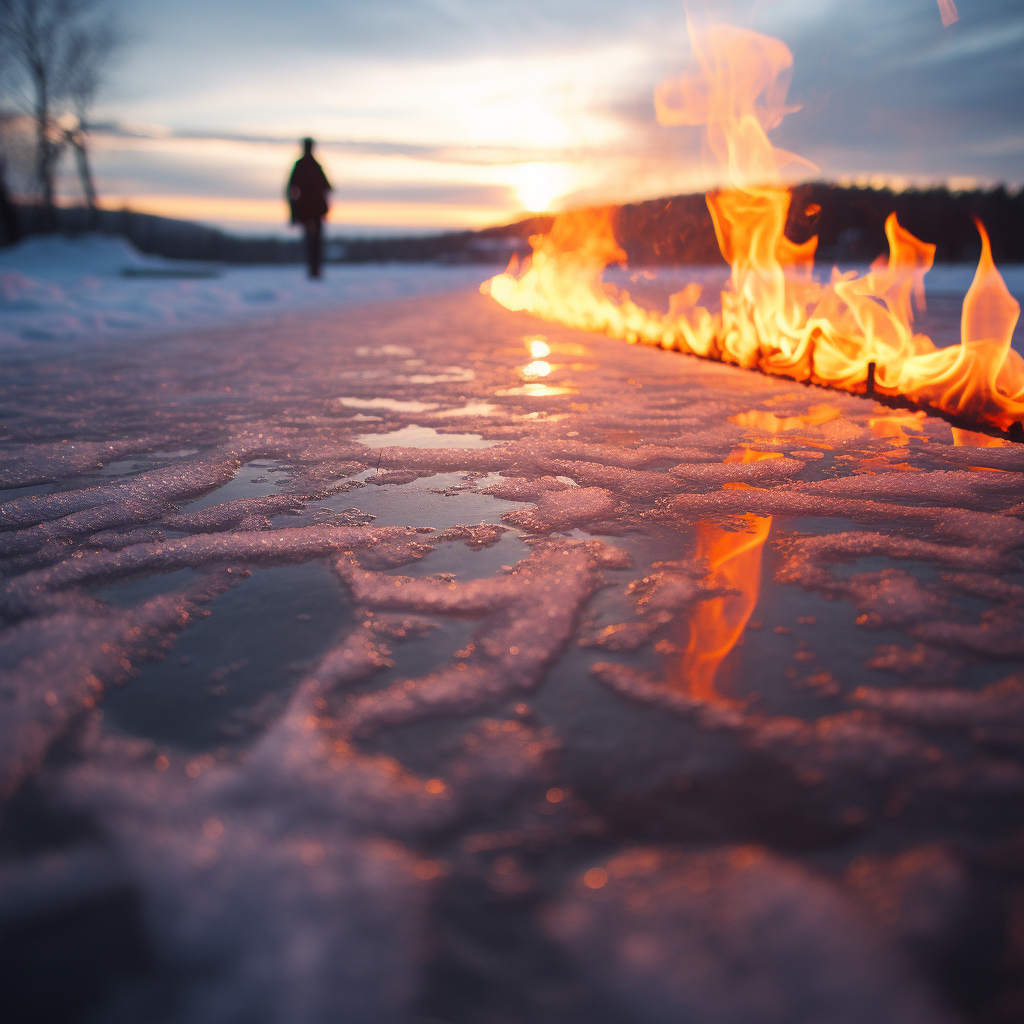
[[58, 289]]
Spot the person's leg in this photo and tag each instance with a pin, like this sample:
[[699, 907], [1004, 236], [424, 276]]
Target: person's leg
[[310, 233], [314, 246]]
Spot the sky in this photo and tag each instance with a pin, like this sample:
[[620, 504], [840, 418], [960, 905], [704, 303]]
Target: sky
[[452, 114]]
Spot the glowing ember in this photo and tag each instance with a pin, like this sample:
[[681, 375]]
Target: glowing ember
[[854, 333]]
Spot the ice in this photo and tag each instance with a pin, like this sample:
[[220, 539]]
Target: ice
[[922, 898], [19, 596], [994, 715], [566, 509], [276, 892], [919, 665], [730, 935], [539, 601], [325, 730], [55, 667], [948, 487]]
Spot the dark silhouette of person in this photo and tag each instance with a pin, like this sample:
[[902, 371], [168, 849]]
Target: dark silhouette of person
[[307, 194]]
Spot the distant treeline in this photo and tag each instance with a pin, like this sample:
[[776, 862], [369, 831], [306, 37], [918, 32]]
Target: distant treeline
[[849, 223]]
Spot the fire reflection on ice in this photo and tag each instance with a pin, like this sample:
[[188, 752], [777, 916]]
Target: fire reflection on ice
[[734, 561], [762, 420]]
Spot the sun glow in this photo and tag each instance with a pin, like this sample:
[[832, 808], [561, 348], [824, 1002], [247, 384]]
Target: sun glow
[[538, 186]]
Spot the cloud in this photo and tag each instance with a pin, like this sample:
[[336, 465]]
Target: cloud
[[440, 101]]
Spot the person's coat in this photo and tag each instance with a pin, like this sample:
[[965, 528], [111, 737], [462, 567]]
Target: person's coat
[[307, 191]]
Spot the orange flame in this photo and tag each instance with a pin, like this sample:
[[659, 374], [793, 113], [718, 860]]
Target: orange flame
[[774, 317], [735, 562]]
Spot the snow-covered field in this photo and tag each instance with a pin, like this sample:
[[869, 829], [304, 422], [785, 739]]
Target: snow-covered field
[[57, 289]]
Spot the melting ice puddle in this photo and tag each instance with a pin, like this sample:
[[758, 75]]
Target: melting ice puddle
[[253, 480], [414, 436], [429, 501], [10, 493], [220, 668], [141, 462], [391, 404], [131, 592]]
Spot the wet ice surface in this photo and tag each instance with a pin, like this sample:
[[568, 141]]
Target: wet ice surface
[[346, 678]]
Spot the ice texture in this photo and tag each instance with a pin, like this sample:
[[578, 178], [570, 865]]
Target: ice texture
[[730, 935], [637, 709]]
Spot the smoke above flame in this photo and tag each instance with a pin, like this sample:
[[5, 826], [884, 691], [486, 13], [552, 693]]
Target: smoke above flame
[[854, 333]]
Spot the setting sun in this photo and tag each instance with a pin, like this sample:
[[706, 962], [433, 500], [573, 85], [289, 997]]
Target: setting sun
[[538, 185]]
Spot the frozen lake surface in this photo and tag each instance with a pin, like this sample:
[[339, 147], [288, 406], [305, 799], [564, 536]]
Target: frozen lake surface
[[353, 670], [75, 290]]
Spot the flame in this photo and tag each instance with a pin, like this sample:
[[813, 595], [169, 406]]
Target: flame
[[948, 12], [854, 333], [735, 562]]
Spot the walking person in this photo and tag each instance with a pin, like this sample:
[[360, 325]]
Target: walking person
[[307, 195]]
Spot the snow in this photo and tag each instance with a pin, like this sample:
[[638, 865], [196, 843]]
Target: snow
[[58, 289]]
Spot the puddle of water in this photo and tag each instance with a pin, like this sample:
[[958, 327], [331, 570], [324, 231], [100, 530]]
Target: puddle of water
[[254, 480], [449, 375], [391, 404], [10, 493], [221, 667], [537, 391], [470, 409], [467, 564], [143, 461], [142, 588], [419, 502], [414, 436]]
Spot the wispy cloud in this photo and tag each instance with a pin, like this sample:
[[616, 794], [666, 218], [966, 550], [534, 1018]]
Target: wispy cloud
[[469, 107]]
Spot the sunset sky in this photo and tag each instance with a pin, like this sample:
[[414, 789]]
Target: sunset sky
[[463, 113]]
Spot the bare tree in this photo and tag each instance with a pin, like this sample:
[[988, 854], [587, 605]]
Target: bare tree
[[9, 221], [58, 49]]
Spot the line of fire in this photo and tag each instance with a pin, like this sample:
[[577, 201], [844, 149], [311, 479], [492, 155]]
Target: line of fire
[[853, 332]]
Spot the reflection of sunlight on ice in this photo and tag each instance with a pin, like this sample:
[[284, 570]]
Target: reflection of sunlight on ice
[[538, 346], [538, 368], [536, 391], [414, 436], [392, 404], [469, 409]]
